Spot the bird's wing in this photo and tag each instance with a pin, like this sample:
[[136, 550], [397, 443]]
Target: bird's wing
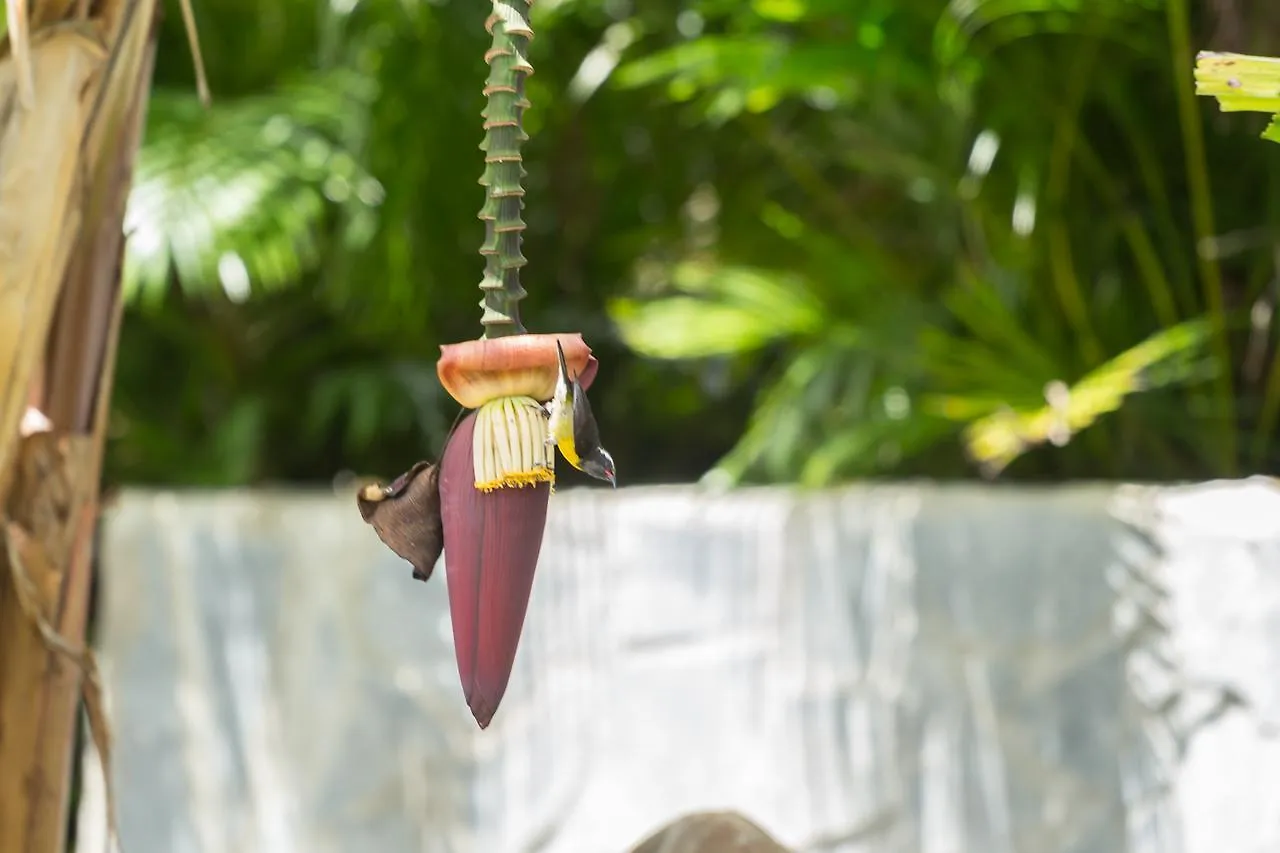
[[586, 433], [407, 517]]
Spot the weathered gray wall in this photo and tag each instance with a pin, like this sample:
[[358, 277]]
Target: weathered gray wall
[[913, 669]]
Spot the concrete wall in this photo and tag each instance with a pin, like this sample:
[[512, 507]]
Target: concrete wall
[[899, 668]]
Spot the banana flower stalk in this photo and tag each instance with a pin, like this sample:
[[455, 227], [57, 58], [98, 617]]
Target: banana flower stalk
[[485, 505], [496, 478]]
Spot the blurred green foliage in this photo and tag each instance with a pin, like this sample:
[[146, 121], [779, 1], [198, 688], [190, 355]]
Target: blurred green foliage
[[808, 239]]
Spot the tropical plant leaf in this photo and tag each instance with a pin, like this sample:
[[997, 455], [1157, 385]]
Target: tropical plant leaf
[[965, 20], [876, 444], [777, 425], [759, 70], [1242, 83], [1162, 359], [848, 147], [234, 197], [721, 311], [830, 414]]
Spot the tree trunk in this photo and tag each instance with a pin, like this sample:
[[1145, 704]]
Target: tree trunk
[[73, 97]]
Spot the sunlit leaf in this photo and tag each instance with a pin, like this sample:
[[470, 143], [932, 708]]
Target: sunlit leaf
[[232, 197], [780, 10], [1242, 83], [722, 311], [999, 438], [765, 64], [1239, 82]]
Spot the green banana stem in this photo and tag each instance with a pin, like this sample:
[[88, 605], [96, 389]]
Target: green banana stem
[[503, 172]]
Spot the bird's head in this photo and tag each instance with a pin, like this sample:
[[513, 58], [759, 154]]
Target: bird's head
[[599, 464]]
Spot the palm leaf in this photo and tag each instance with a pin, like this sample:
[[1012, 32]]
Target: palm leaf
[[1162, 359], [965, 20], [720, 310], [234, 197]]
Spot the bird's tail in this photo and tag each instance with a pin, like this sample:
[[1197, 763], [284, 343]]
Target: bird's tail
[[564, 367]]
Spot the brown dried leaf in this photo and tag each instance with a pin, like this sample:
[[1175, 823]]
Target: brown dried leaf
[[406, 516], [100, 731], [20, 43], [24, 554], [197, 59], [29, 564]]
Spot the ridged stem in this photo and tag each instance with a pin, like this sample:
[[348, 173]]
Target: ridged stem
[[503, 172]]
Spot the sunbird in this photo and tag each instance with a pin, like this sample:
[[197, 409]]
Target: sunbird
[[572, 427], [406, 516]]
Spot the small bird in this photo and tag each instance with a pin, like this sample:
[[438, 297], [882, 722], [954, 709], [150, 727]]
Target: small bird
[[572, 427], [406, 516]]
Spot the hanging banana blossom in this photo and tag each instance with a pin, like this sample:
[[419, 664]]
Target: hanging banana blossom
[[485, 505]]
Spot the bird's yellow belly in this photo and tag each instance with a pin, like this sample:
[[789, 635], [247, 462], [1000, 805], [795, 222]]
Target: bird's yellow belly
[[568, 451], [562, 432]]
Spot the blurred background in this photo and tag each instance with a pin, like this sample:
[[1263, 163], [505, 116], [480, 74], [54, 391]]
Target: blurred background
[[809, 240], [814, 244]]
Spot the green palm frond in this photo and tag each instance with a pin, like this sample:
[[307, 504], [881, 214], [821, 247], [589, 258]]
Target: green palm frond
[[998, 438], [967, 20], [834, 411], [235, 197], [719, 310]]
